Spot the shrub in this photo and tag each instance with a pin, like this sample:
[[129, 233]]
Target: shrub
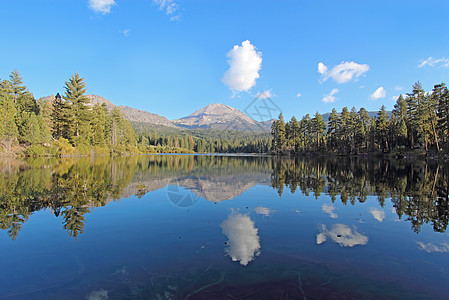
[[35, 150]]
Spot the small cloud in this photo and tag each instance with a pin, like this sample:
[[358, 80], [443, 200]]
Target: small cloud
[[432, 62], [342, 235], [101, 6], [170, 7], [379, 93], [243, 238], [377, 214], [125, 32], [263, 211], [298, 95], [431, 247], [264, 94], [398, 88], [329, 209], [322, 69], [342, 73], [395, 98], [245, 63], [330, 98]]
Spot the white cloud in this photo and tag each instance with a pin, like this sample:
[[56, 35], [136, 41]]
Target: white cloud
[[329, 209], [264, 94], [431, 247], [298, 95], [101, 6], [377, 214], [322, 69], [243, 239], [342, 73], [342, 235], [244, 66], [379, 93], [330, 98], [398, 88], [432, 62], [263, 211], [170, 7], [395, 98], [125, 32]]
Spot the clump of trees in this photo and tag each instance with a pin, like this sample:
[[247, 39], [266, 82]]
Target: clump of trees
[[419, 120], [67, 124]]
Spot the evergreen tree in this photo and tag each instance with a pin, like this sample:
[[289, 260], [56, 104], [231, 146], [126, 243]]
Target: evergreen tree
[[343, 129], [382, 129], [318, 128], [8, 129], [80, 131], [332, 130], [61, 118], [400, 112], [23, 99], [442, 93], [99, 119], [295, 133], [364, 122], [279, 134]]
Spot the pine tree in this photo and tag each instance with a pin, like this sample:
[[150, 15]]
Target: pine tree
[[80, 131], [332, 129], [318, 127], [8, 129], [23, 99], [443, 113], [279, 134], [343, 129], [99, 119], [61, 118], [382, 129], [363, 128], [295, 133], [400, 111]]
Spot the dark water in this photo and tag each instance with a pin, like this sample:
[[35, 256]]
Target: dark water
[[214, 227]]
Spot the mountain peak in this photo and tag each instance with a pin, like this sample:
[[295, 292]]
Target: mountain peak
[[220, 116], [214, 109]]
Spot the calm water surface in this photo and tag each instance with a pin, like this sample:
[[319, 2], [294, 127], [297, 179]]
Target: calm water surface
[[218, 227]]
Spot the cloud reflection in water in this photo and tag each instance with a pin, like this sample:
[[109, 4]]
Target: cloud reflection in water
[[342, 235], [243, 239]]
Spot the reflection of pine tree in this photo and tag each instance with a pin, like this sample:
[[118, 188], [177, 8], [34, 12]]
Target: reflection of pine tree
[[74, 220], [16, 225]]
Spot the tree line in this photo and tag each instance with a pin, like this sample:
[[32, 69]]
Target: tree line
[[419, 120], [63, 124], [203, 141]]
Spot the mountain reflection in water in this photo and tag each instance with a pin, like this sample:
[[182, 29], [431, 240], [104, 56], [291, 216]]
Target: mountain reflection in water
[[73, 187]]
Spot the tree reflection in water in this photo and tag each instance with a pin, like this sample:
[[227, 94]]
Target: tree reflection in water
[[72, 187], [418, 190]]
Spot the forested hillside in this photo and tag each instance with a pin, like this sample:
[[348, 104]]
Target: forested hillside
[[59, 125]]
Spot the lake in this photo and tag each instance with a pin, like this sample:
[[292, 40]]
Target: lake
[[223, 227]]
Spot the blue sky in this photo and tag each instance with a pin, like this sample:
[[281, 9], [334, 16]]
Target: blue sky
[[172, 57]]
